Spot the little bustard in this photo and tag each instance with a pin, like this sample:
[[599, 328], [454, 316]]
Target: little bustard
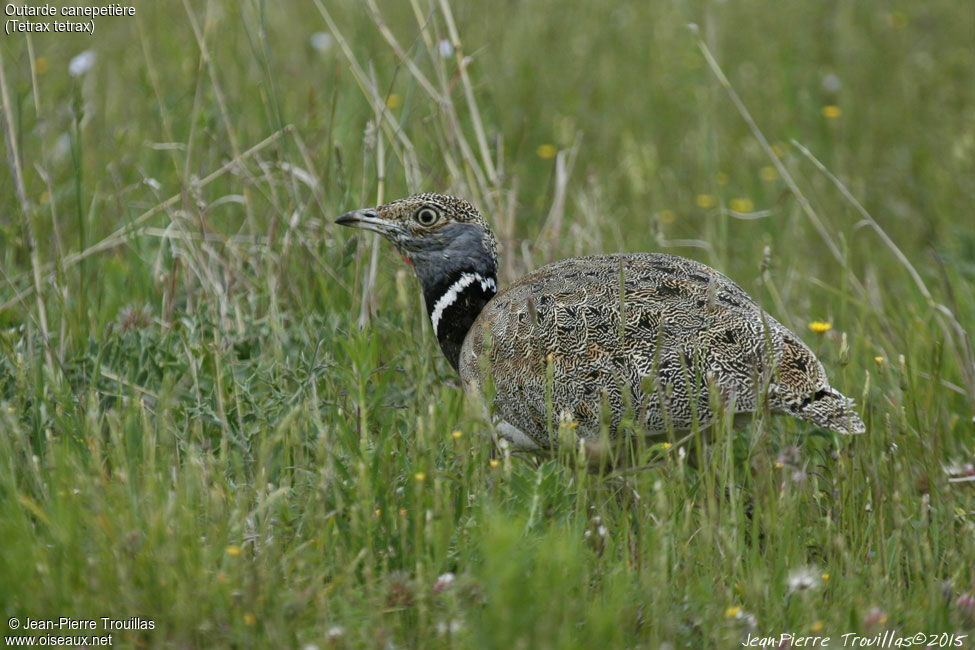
[[589, 338]]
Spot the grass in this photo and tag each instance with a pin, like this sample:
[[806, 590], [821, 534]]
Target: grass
[[220, 413]]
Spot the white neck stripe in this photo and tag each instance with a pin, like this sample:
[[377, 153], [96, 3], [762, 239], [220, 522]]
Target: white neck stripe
[[449, 298]]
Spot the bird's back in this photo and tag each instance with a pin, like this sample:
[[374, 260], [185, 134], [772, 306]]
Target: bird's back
[[590, 338]]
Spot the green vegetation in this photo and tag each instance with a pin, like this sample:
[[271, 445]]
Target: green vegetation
[[220, 412]]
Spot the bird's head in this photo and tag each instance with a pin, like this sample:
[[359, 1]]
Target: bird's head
[[452, 251], [439, 235]]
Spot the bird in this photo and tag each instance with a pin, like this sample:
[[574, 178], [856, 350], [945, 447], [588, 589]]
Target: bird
[[665, 341]]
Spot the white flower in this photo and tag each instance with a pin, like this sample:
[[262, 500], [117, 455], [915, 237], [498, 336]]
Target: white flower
[[453, 627], [321, 41], [81, 63], [444, 581], [334, 632], [831, 83], [745, 618], [446, 48], [749, 620], [802, 579]]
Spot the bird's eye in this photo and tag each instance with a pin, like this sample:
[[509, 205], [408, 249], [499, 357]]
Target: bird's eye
[[427, 216]]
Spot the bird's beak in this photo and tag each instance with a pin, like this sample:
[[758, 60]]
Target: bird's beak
[[366, 220]]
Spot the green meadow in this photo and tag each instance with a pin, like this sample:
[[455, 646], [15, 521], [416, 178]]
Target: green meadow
[[225, 415]]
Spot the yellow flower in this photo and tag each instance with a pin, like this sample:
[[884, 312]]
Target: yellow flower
[[666, 446], [249, 619], [879, 360], [741, 205], [825, 577], [394, 101], [820, 327], [667, 216], [546, 151], [704, 201], [420, 476], [732, 612], [721, 178], [817, 626], [40, 65], [768, 173], [457, 434], [233, 550], [379, 511], [831, 112], [494, 462]]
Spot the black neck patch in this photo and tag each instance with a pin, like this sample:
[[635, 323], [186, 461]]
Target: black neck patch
[[454, 305]]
